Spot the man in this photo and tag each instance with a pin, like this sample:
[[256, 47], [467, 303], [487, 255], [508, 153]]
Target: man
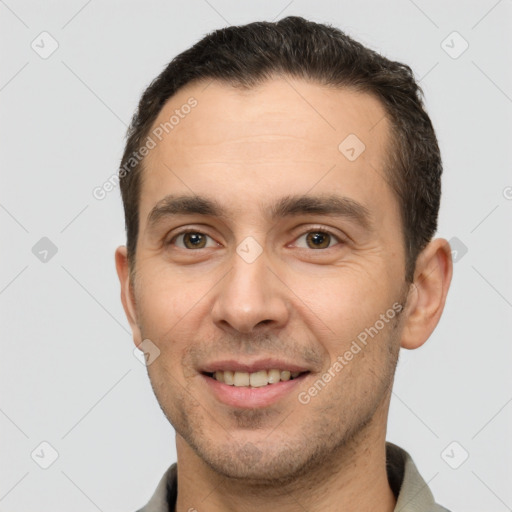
[[281, 186]]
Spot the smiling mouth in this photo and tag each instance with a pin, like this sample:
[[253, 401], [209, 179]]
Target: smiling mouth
[[257, 379]]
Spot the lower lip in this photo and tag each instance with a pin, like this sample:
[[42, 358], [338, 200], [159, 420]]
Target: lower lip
[[250, 398]]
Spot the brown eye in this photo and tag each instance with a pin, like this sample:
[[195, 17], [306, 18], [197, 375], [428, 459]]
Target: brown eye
[[196, 240], [318, 239], [190, 240]]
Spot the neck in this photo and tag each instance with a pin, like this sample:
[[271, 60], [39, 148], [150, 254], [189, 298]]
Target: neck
[[353, 478]]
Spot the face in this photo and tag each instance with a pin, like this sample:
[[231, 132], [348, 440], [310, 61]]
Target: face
[[268, 248]]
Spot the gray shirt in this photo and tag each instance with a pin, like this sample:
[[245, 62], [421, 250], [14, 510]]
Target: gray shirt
[[411, 491]]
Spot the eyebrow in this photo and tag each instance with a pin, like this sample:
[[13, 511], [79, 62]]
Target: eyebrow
[[288, 206]]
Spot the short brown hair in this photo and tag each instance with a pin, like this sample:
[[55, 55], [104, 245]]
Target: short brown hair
[[245, 56]]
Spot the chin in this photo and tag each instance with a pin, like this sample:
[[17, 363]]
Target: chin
[[267, 465]]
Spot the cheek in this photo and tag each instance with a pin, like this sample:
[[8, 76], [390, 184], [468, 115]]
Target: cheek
[[351, 326], [347, 300], [169, 316], [163, 299]]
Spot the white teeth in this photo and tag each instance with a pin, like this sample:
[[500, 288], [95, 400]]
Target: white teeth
[[274, 376], [285, 375], [241, 379], [228, 377], [256, 379]]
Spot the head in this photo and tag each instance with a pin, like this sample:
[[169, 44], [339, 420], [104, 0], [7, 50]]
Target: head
[[307, 174]]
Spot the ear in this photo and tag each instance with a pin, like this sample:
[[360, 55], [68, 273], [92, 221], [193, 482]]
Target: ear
[[127, 294], [427, 293]]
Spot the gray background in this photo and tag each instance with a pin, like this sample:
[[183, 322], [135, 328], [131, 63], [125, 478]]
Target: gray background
[[68, 373]]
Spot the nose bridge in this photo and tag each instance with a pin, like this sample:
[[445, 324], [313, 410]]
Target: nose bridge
[[249, 294]]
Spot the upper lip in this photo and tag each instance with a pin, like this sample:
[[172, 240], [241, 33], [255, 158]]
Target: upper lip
[[252, 366]]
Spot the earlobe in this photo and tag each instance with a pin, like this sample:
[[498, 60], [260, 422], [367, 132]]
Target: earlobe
[[427, 296], [127, 295]]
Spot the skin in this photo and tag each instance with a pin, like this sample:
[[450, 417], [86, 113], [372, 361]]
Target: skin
[[247, 149]]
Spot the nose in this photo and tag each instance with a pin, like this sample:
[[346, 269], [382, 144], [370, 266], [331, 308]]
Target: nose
[[250, 296]]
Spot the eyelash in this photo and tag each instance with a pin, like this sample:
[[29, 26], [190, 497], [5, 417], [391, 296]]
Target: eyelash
[[311, 230]]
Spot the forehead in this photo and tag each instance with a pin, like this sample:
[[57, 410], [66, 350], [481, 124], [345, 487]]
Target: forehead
[[281, 107], [285, 135]]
